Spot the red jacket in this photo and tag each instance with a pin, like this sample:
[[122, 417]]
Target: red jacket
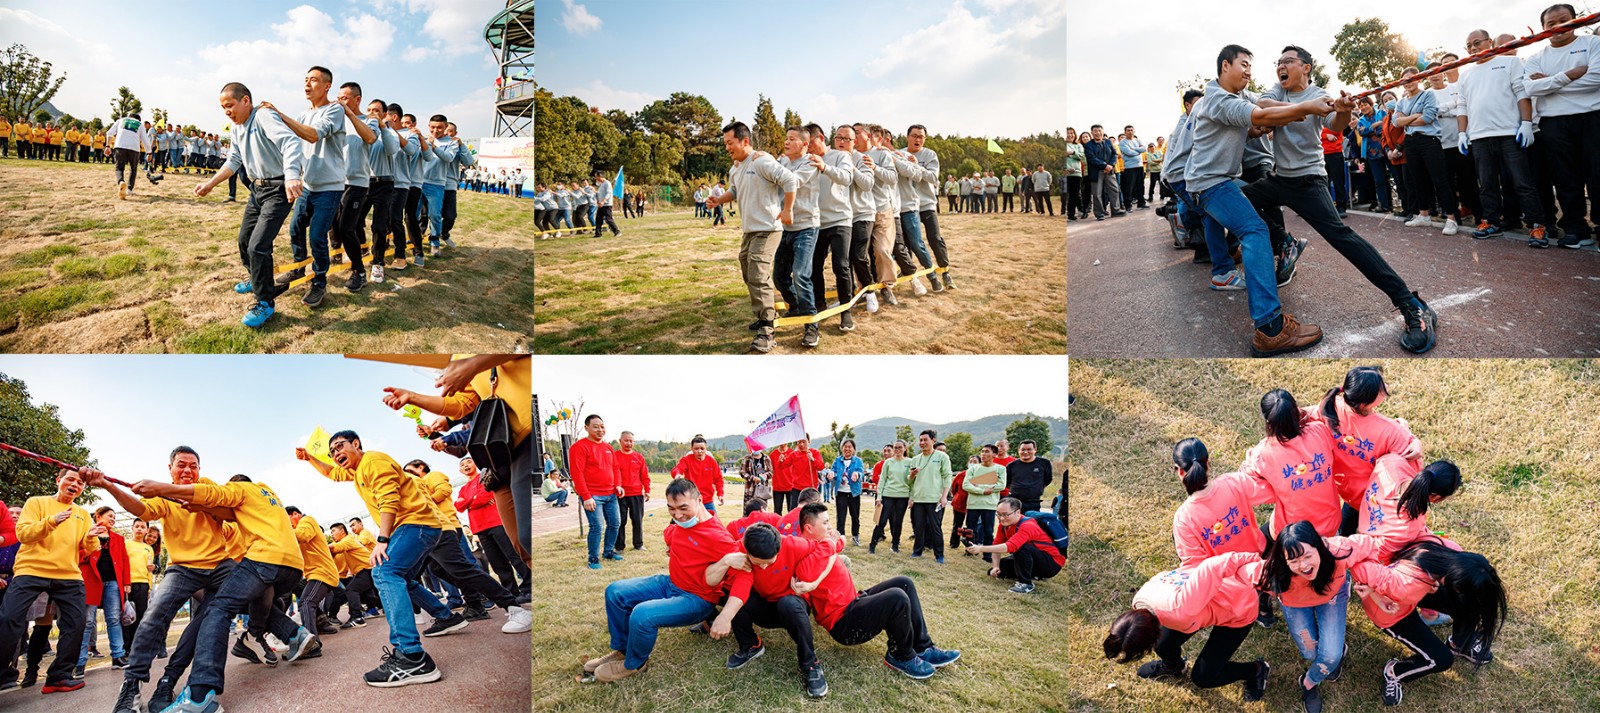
[[89, 565], [959, 500], [478, 504], [8, 529], [795, 469], [1028, 531], [1332, 141], [593, 472], [704, 473], [632, 473], [737, 527]]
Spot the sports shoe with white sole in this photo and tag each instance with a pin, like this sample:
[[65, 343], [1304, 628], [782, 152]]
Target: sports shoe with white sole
[[518, 620], [872, 303]]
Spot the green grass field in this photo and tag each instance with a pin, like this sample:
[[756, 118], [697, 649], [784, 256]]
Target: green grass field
[[81, 271], [1011, 646], [671, 284], [1524, 434]]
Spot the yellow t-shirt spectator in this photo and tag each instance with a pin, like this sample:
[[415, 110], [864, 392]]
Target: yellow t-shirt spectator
[[140, 557], [50, 550]]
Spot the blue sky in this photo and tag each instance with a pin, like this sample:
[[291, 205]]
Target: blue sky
[[427, 55], [243, 414], [675, 397], [972, 67]]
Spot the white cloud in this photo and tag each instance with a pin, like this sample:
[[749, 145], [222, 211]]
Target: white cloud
[[414, 54], [456, 26], [598, 93], [473, 113], [577, 19]]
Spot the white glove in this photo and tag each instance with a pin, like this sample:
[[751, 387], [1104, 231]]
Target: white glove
[[1525, 134], [1463, 143]]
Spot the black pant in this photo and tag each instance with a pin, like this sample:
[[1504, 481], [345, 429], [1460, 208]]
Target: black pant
[[1008, 201], [1503, 163], [130, 159], [1077, 203], [1349, 520], [356, 588], [1027, 564], [139, 596], [347, 225], [5, 147], [1574, 150], [894, 512], [505, 561], [1212, 668], [861, 252], [602, 220], [68, 596], [379, 196], [473, 582], [1333, 165], [1308, 196], [836, 240], [889, 606], [788, 613], [310, 602], [935, 239], [1425, 169], [1464, 180], [263, 216], [1133, 185], [632, 509], [1041, 201], [1431, 655], [958, 518], [925, 529], [447, 213], [849, 506], [952, 206], [399, 198], [981, 522], [413, 217]]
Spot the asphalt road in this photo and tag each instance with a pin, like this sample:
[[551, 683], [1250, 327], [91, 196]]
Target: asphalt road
[[1130, 294]]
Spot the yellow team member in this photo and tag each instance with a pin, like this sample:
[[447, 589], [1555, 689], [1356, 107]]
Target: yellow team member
[[141, 564], [98, 143], [5, 138], [24, 135], [321, 575], [272, 565], [454, 556], [360, 531], [52, 532], [198, 562], [354, 561], [233, 541]]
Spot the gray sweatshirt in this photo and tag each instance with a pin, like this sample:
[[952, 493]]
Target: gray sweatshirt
[[758, 183], [928, 186], [911, 175], [1178, 147], [1221, 124], [1297, 147], [1041, 181], [358, 157], [383, 161], [863, 205], [808, 186], [886, 186], [833, 200], [325, 156]]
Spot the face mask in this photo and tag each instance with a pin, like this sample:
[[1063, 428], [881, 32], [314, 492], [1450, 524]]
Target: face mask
[[691, 522]]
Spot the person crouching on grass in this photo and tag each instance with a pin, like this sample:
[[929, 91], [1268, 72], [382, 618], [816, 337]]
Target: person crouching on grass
[[1032, 554]]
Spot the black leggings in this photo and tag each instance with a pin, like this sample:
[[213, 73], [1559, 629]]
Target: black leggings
[[354, 589], [1425, 169], [925, 529], [1432, 655], [788, 613], [139, 595], [413, 219], [894, 513], [1213, 667], [889, 606], [632, 508], [837, 240], [849, 507], [399, 198]]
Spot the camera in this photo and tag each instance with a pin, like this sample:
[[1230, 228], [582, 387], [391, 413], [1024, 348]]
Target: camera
[[965, 533]]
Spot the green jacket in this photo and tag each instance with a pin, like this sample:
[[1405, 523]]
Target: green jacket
[[1008, 184], [1074, 159], [976, 500], [894, 482], [933, 477]]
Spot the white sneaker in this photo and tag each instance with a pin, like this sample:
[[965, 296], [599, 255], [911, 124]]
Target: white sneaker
[[434, 252], [518, 620], [872, 303], [1449, 226], [1417, 221], [377, 273], [917, 288]]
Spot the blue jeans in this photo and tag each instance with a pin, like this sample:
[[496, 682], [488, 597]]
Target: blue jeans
[[111, 604], [911, 226], [637, 608], [434, 195], [592, 210], [174, 157], [248, 581], [1221, 257], [396, 581], [178, 585], [559, 497], [315, 211], [1319, 632], [1227, 207], [791, 269], [566, 217], [603, 505]]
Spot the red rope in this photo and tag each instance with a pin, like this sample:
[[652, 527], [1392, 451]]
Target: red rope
[[1511, 46]]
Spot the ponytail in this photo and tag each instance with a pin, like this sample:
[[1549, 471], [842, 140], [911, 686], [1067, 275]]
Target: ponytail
[[1362, 385], [1190, 456], [1440, 478], [1330, 410], [1132, 635], [1282, 415]]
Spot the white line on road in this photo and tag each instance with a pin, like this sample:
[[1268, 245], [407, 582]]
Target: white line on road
[[1341, 346]]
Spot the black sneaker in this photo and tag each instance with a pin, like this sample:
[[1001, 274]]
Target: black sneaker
[[872, 547], [253, 651], [315, 652], [933, 281], [397, 669], [1290, 259], [754, 325], [77, 672], [128, 698], [1264, 616], [448, 625], [472, 613], [1256, 687], [763, 341], [315, 294], [162, 698], [812, 336], [284, 278], [119, 663], [325, 627], [30, 678], [1476, 654], [888, 298], [1337, 671], [816, 684], [744, 656], [1392, 693], [1311, 698], [358, 280], [1421, 326], [846, 322], [1158, 669], [948, 284]]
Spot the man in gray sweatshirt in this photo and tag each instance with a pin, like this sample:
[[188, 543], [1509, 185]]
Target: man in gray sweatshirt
[[1132, 150], [792, 264], [927, 186], [885, 192], [322, 128], [836, 215], [767, 192]]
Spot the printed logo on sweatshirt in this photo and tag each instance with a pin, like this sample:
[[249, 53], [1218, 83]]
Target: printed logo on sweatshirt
[[1356, 447], [1374, 508], [1223, 530], [1305, 476], [1177, 578]]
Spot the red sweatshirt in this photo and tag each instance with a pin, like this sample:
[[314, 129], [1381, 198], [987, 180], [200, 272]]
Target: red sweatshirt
[[478, 504], [831, 597], [1004, 461], [795, 469], [8, 529], [789, 524], [772, 582], [959, 500], [1403, 583], [1211, 593], [703, 472], [737, 527], [1300, 474], [89, 564], [877, 472], [632, 474], [1362, 440], [1028, 531], [1218, 519], [593, 472], [691, 550]]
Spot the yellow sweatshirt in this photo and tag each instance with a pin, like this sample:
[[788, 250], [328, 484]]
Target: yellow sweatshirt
[[366, 539], [314, 550], [350, 556], [49, 550], [516, 388], [140, 557], [268, 536], [233, 541], [193, 539], [436, 486], [385, 488]]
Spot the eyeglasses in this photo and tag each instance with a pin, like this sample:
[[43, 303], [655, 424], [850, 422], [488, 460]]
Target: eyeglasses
[[337, 446]]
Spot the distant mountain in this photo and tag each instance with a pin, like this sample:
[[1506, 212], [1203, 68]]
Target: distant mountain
[[873, 434]]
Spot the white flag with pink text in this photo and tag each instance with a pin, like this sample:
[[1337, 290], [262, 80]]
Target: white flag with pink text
[[785, 425]]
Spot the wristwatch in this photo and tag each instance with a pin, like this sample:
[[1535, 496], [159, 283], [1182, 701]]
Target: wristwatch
[[383, 539]]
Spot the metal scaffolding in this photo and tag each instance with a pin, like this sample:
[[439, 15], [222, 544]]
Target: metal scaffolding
[[510, 36]]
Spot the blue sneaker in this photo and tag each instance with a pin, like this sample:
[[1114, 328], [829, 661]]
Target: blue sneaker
[[243, 288], [594, 565], [614, 556], [299, 645], [258, 315], [187, 704], [915, 667], [417, 260], [1230, 280], [939, 658]]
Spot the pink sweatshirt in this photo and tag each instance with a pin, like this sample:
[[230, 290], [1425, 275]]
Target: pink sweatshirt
[[1381, 516], [1300, 474], [1362, 440], [1218, 519], [1212, 593], [1347, 552]]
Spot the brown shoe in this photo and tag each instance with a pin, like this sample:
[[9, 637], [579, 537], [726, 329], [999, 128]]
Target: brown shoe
[[616, 671], [592, 665], [1294, 337]]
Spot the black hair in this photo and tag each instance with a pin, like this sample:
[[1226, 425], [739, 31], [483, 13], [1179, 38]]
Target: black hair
[[416, 462], [850, 441], [990, 447], [237, 90], [1467, 576], [1026, 442], [1230, 53], [682, 487], [762, 541], [1362, 385], [357, 519], [1191, 456], [1299, 52], [1132, 635], [326, 73], [810, 511], [1282, 415], [351, 85], [346, 434], [801, 130], [753, 506], [939, 444], [810, 495], [1092, 127], [1440, 477], [1290, 543], [930, 433], [1014, 503], [182, 449], [1555, 7], [439, 118], [1191, 96], [239, 478], [412, 117], [914, 127], [339, 525], [394, 109], [740, 131], [815, 130], [591, 417], [292, 510], [697, 439]]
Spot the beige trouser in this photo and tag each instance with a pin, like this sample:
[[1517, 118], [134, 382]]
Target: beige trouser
[[756, 252], [883, 246]]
